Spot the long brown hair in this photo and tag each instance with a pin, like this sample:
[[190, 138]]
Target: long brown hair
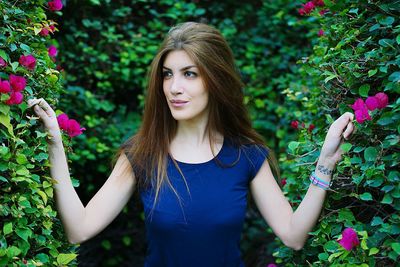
[[148, 149]]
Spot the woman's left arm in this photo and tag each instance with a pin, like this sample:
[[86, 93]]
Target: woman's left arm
[[293, 227]]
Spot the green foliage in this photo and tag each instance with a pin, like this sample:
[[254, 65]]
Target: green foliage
[[356, 57], [30, 231]]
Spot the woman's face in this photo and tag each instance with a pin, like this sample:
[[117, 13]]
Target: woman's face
[[183, 88]]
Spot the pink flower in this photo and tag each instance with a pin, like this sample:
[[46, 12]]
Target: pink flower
[[362, 114], [318, 2], [272, 265], [349, 239], [308, 7], [18, 83], [52, 51], [321, 32], [52, 28], [372, 103], [358, 104], [62, 120], [3, 63], [74, 128], [294, 124], [44, 32], [383, 100], [55, 5], [15, 98], [283, 182], [311, 127], [302, 12], [28, 61], [4, 87]]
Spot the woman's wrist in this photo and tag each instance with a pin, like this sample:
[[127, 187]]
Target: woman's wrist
[[324, 169]]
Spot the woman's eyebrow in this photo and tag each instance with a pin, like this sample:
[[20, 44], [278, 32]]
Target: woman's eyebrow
[[184, 68]]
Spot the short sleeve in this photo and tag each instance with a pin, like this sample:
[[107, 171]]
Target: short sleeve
[[256, 155]]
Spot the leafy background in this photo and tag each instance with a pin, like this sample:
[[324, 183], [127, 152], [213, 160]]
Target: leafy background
[[291, 73]]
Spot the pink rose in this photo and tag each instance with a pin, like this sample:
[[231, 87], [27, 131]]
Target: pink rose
[[372, 103], [44, 32], [383, 100], [358, 104], [55, 5], [3, 63], [18, 83], [318, 2], [349, 239], [52, 51], [362, 114], [74, 128], [321, 32], [62, 120], [4, 87], [15, 98], [28, 61], [294, 124]]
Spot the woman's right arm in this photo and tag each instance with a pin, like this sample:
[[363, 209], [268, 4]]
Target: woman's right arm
[[80, 222]]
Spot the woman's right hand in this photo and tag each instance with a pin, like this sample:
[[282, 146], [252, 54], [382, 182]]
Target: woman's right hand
[[49, 118]]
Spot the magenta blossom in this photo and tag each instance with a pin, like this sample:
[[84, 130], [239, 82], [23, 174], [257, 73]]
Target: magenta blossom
[[383, 100], [323, 11], [5, 87], [18, 83], [372, 103], [3, 63], [362, 114], [15, 98], [272, 265], [74, 128], [321, 32], [294, 125], [52, 51], [349, 239], [318, 2], [55, 5], [308, 7], [62, 120], [44, 32], [358, 104], [28, 61]]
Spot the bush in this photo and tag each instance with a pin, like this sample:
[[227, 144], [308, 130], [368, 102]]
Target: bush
[[356, 57], [30, 232]]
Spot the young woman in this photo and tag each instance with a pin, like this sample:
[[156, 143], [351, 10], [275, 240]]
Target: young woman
[[193, 161]]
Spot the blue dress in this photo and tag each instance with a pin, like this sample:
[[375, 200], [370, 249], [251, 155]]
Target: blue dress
[[203, 227]]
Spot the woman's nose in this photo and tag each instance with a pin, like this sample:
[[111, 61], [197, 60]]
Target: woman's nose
[[176, 86]]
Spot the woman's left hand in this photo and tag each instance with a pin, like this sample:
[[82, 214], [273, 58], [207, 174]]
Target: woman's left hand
[[343, 127]]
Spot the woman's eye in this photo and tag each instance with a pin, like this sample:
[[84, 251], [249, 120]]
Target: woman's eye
[[190, 74], [166, 74]]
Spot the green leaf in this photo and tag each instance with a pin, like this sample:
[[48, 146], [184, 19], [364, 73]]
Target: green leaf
[[346, 147], [4, 55], [5, 120], [366, 196], [394, 77], [396, 247], [363, 90], [25, 47], [398, 39], [293, 145], [64, 259], [24, 233], [373, 251], [387, 199], [386, 21], [372, 72], [7, 228], [370, 153], [346, 215], [376, 221]]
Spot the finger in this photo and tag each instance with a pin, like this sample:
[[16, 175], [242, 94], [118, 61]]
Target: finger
[[341, 123], [40, 112], [46, 107], [349, 130], [32, 102]]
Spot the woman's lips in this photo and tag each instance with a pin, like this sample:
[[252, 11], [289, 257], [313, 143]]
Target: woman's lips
[[178, 103]]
